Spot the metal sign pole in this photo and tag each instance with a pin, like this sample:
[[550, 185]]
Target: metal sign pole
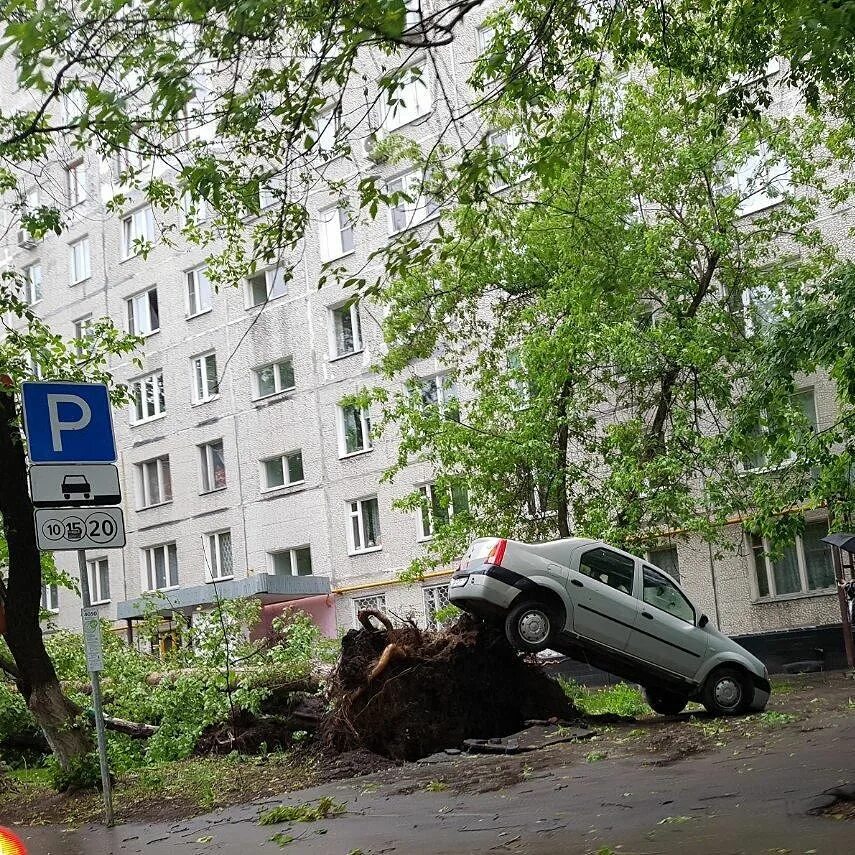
[[95, 676]]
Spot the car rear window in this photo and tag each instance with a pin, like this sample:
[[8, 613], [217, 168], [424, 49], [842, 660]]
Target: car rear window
[[481, 548]]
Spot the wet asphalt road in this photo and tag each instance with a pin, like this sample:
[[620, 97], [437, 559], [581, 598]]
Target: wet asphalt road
[[716, 803]]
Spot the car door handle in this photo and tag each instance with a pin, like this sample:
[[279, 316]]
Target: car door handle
[[647, 615], [577, 583]]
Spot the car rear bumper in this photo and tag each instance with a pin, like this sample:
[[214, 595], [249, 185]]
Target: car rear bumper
[[481, 592]]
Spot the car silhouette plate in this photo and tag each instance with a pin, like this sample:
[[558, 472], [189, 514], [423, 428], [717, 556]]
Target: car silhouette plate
[[74, 485], [64, 529]]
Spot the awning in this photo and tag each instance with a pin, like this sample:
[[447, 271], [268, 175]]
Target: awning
[[265, 587], [845, 541]]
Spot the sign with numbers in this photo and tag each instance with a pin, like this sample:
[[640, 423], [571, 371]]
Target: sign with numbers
[[92, 641], [64, 529]]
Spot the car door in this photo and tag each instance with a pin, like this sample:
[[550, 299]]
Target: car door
[[665, 631], [600, 583]]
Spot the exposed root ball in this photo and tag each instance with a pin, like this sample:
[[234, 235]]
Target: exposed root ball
[[405, 693]]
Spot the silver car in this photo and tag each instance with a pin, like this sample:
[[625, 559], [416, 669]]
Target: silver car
[[599, 604]]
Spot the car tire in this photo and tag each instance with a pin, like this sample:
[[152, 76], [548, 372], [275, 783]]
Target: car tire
[[531, 626], [664, 702], [727, 691]]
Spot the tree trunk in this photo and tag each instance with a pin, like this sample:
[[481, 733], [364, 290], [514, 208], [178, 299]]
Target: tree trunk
[[59, 718]]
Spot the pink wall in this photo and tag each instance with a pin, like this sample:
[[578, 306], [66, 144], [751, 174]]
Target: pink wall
[[320, 609]]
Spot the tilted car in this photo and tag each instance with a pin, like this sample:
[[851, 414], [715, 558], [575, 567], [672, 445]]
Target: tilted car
[[601, 605]]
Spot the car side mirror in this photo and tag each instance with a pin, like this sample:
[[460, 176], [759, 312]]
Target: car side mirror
[[703, 620]]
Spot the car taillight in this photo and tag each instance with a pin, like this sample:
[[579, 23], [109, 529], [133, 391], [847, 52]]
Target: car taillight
[[497, 552]]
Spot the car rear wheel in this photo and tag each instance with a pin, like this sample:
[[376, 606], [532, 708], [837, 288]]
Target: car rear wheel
[[727, 691], [664, 702], [530, 627]]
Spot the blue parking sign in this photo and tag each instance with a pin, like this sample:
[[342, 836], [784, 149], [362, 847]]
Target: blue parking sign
[[68, 422]]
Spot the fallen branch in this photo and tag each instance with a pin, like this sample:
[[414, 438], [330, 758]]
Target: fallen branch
[[364, 617], [134, 729]]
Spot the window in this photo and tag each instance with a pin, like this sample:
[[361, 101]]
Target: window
[[757, 460], [267, 195], [440, 391], [761, 309], [364, 530], [292, 562], [801, 567], [143, 313], [283, 471], [483, 37], [75, 182], [417, 207], [413, 13], [273, 378], [355, 430], [336, 233], [205, 383], [346, 330], [50, 598], [218, 553], [327, 129], [33, 283], [407, 101], [149, 399], [610, 568], [78, 261], [199, 293], [160, 565], [137, 229], [666, 559], [213, 466], [436, 599], [154, 482], [376, 602], [437, 509], [81, 334], [264, 286], [99, 580], [661, 593], [193, 211], [193, 124], [509, 160], [760, 182]]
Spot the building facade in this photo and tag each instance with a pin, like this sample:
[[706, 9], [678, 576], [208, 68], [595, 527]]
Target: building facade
[[241, 469]]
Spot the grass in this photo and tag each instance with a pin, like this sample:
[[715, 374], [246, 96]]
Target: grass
[[621, 699], [594, 756], [436, 786], [324, 808], [772, 718]]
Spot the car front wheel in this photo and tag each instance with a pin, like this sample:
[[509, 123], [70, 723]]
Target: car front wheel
[[664, 702], [530, 627], [727, 691]]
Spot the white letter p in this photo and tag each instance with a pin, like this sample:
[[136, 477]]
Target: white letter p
[[57, 426]]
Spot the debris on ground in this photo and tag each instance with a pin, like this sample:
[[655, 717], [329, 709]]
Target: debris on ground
[[406, 693]]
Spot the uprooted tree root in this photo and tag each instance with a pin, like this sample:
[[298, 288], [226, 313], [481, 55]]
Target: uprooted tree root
[[405, 693]]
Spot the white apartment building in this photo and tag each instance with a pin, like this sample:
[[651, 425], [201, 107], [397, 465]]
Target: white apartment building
[[240, 470]]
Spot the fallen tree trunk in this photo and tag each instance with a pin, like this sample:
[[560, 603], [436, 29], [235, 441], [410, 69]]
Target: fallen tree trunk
[[135, 729]]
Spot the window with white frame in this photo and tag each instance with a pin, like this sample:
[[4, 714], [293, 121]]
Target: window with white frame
[[409, 100], [346, 330], [200, 296], [506, 144], [762, 180], [34, 366], [364, 529], [50, 598], [267, 195], [160, 567], [354, 430], [327, 129], [137, 230], [75, 182], [143, 313], [757, 461], [218, 552], [412, 13], [274, 378], [797, 568], [212, 464], [292, 562], [266, 285], [665, 557], [149, 400], [154, 482], [206, 384], [33, 291], [81, 334], [193, 123], [440, 391], [79, 267], [761, 308], [373, 602], [436, 599], [283, 470], [99, 580], [412, 205], [483, 37], [193, 211], [438, 506], [336, 233]]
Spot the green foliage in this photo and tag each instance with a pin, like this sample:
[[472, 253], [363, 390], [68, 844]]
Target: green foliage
[[620, 699], [447, 614], [773, 718], [82, 773], [324, 808], [436, 786]]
